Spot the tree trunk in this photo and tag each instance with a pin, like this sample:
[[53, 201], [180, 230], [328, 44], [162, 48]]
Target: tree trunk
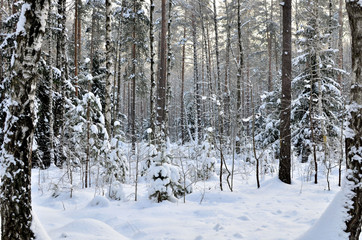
[[240, 66], [16, 152], [183, 86], [108, 108], [161, 100], [219, 91], [119, 76], [285, 132], [63, 66], [226, 95], [340, 65], [76, 48], [168, 71], [269, 39], [354, 142], [196, 83], [206, 54], [153, 82], [133, 105], [50, 94]]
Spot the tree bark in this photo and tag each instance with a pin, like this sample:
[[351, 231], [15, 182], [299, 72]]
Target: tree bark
[[108, 108], [50, 94], [153, 82], [161, 89], [16, 151], [269, 39], [240, 65], [354, 142], [196, 83], [76, 48], [340, 65], [219, 91], [285, 132], [133, 105], [183, 86]]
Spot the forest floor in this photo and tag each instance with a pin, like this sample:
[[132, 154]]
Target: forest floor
[[275, 211]]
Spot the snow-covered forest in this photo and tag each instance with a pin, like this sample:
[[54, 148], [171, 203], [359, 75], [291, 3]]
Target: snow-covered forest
[[180, 119]]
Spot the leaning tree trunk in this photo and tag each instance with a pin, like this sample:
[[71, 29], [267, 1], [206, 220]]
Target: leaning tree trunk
[[285, 138], [354, 142], [15, 158]]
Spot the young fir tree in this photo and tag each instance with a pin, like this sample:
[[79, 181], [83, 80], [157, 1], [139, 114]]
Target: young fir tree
[[268, 122], [16, 150], [317, 98]]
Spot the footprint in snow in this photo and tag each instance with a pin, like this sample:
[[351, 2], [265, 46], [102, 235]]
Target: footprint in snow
[[277, 212], [218, 227], [238, 235], [244, 218]]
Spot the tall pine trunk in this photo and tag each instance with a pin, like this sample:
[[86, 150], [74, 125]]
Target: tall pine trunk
[[76, 44], [285, 132], [133, 105], [108, 107], [16, 151], [161, 88]]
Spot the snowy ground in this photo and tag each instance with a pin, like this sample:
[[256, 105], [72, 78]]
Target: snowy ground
[[275, 211]]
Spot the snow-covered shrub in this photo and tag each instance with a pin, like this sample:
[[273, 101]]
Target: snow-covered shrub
[[116, 191], [151, 152], [208, 168], [115, 167], [208, 160], [165, 177], [99, 201], [115, 163], [267, 123]]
